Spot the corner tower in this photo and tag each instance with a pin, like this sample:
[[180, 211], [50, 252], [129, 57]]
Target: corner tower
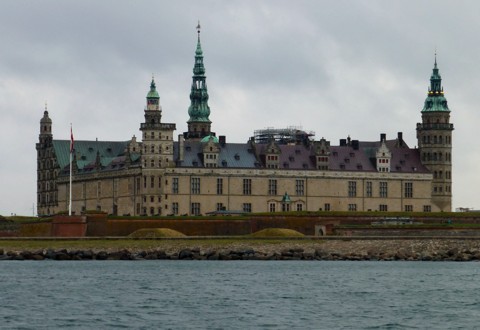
[[157, 153], [47, 171], [199, 123], [434, 137]]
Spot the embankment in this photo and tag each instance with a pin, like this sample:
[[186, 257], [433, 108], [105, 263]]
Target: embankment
[[431, 249]]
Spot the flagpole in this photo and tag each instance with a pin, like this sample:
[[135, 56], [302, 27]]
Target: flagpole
[[71, 161]]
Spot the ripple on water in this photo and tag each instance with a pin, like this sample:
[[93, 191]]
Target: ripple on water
[[239, 295]]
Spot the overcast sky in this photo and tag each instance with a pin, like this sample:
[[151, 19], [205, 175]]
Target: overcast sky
[[337, 68]]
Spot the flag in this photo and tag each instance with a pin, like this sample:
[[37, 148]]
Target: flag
[[71, 140]]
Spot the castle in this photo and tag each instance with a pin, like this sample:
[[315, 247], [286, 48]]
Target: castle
[[276, 170]]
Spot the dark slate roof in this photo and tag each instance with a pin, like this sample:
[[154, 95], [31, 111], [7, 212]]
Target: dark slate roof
[[301, 157], [297, 157], [112, 154], [237, 155], [346, 158], [404, 159]]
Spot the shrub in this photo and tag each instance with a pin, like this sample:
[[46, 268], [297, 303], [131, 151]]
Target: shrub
[[155, 233], [277, 232]]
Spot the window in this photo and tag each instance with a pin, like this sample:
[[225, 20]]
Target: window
[[383, 207], [300, 187], [299, 207], [352, 207], [408, 208], [195, 186], [408, 190], [152, 211], [152, 199], [175, 186], [247, 186], [99, 189], [271, 207], [327, 206], [195, 209], [427, 208], [369, 189], [272, 187], [383, 189], [175, 208], [352, 188], [220, 207], [144, 182], [219, 186], [152, 181], [285, 207], [247, 207]]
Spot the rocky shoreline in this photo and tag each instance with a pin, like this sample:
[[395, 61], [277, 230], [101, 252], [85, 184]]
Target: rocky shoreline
[[381, 250]]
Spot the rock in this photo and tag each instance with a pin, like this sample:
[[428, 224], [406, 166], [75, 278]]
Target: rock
[[102, 255], [88, 254], [49, 254], [185, 254], [27, 255], [62, 256], [321, 253], [213, 256], [297, 250], [286, 253]]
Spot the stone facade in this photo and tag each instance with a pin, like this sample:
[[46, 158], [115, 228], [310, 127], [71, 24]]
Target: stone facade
[[275, 171]]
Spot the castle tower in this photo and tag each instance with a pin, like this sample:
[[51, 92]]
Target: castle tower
[[199, 111], [157, 152], [47, 170], [434, 137]]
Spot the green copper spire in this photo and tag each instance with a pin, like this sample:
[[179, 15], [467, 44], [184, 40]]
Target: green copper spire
[[153, 94], [199, 111], [435, 100]]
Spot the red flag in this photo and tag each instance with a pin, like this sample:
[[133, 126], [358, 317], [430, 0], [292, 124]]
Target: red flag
[[71, 140]]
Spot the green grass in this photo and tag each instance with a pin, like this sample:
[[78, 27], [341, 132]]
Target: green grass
[[142, 244]]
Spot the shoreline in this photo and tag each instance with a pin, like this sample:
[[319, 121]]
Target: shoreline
[[431, 249]]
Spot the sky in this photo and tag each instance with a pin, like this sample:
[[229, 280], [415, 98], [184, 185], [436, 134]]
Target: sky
[[339, 68]]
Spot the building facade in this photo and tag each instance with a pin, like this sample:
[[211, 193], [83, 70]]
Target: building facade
[[276, 170]]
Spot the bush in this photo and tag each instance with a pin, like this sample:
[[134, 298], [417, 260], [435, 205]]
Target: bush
[[155, 233], [277, 232]]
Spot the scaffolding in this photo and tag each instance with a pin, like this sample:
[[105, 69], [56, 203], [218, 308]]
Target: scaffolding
[[289, 135]]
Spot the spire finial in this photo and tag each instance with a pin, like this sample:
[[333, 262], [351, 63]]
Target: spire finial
[[435, 57], [198, 27], [46, 105]]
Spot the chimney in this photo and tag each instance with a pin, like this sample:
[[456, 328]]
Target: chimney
[[181, 147], [222, 139], [400, 139], [383, 137], [355, 144]]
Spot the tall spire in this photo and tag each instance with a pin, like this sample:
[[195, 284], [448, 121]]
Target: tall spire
[[435, 100], [199, 111], [153, 99]]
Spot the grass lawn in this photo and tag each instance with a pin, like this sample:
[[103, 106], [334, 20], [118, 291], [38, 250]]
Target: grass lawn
[[143, 244]]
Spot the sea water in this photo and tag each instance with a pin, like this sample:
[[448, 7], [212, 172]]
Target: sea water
[[239, 295]]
